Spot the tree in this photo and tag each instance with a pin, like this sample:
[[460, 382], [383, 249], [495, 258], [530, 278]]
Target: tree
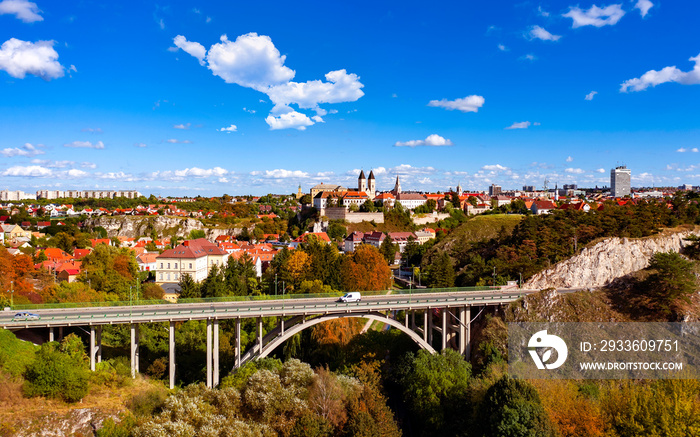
[[188, 288], [336, 231], [388, 250], [306, 199], [153, 291], [512, 407], [297, 267], [196, 233], [673, 283], [213, 285], [365, 269], [437, 390], [368, 206], [440, 273], [59, 371]]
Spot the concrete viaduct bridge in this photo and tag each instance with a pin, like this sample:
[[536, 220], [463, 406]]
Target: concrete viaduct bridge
[[294, 315]]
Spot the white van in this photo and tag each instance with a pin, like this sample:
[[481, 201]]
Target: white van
[[351, 297]]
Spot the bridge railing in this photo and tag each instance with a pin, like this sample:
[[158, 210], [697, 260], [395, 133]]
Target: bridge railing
[[29, 307]]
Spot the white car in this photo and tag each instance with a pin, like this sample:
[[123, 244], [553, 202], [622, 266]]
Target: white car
[[351, 297]]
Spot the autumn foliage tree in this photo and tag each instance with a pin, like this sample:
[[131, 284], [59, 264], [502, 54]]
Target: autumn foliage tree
[[365, 269]]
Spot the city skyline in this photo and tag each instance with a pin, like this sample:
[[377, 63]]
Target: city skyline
[[182, 99]]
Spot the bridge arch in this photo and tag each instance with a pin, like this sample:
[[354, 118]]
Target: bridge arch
[[301, 325]]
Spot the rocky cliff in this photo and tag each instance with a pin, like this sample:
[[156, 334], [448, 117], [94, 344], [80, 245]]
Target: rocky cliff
[[165, 226], [612, 258]]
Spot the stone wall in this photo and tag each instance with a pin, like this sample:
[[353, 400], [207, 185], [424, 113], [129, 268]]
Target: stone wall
[[603, 262], [340, 213], [429, 218]]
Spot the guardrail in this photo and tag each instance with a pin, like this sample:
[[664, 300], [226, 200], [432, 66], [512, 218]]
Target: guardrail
[[29, 307]]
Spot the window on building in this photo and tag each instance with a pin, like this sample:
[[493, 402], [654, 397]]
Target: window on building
[[175, 265], [190, 265], [168, 265], [160, 276], [161, 265], [167, 276]]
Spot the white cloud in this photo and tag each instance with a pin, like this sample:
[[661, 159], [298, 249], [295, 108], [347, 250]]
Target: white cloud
[[520, 125], [232, 128], [317, 119], [494, 167], [75, 173], [667, 74], [26, 150], [537, 32], [253, 61], [340, 87], [694, 150], [682, 150], [193, 48], [529, 57], [280, 173], [96, 130], [590, 95], [502, 48], [433, 140], [542, 12], [24, 10], [30, 170], [85, 145], [601, 170], [467, 104], [182, 126], [19, 58], [595, 16], [141, 145], [194, 172], [569, 159], [88, 165], [53, 164], [176, 141], [287, 118], [643, 6], [575, 171]]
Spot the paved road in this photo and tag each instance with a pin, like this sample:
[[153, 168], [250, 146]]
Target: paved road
[[250, 309]]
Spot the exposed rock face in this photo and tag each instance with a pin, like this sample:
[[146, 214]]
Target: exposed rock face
[[137, 226], [84, 421], [612, 258]]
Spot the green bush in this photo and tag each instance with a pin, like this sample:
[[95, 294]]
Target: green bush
[[57, 374], [148, 402], [15, 354]]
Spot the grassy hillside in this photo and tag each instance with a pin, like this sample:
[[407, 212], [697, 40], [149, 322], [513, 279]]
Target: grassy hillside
[[477, 229]]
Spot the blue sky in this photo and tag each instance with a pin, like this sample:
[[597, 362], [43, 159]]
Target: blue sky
[[180, 98]]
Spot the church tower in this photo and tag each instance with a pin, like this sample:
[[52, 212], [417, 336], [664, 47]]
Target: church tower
[[362, 182], [397, 187], [459, 188], [372, 189]]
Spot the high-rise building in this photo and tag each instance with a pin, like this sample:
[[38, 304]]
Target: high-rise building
[[494, 190], [620, 181]]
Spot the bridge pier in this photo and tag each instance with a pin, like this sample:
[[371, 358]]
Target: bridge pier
[[425, 326], [171, 358], [60, 333], [260, 335], [216, 353], [209, 381], [238, 343], [134, 349], [95, 345], [430, 326], [51, 337], [444, 329]]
